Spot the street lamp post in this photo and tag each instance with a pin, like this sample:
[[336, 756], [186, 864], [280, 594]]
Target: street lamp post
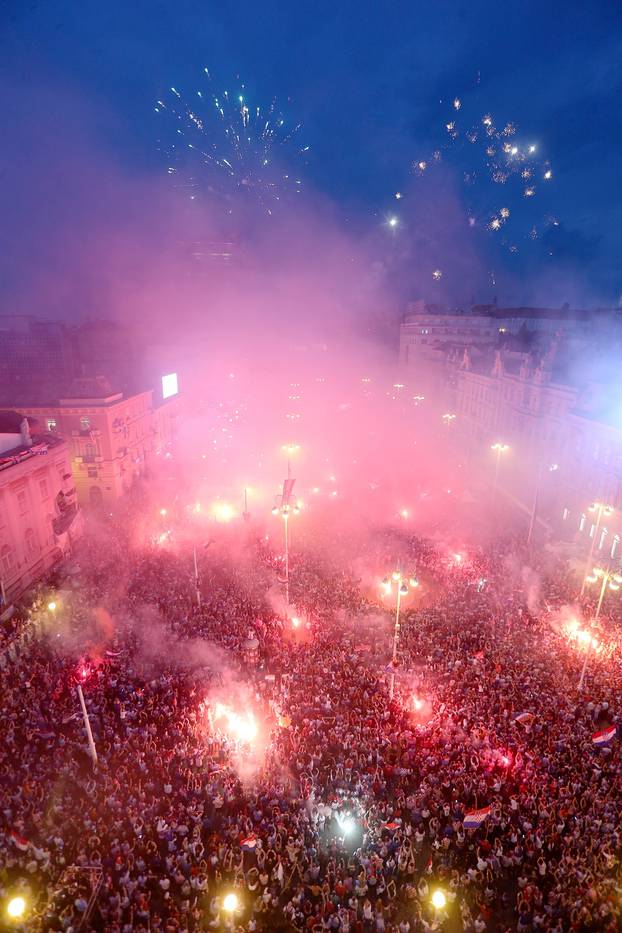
[[402, 590], [536, 495], [499, 448], [610, 580], [448, 419], [87, 726], [601, 509], [285, 505], [196, 575], [588, 648]]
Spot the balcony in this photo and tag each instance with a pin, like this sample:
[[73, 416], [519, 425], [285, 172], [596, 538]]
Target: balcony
[[62, 523]]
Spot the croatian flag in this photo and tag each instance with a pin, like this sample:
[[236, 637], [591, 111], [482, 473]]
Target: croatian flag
[[475, 818], [604, 736], [19, 841], [393, 825], [391, 667], [249, 844]]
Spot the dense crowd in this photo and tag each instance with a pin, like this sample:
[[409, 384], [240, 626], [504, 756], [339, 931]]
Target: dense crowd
[[346, 811]]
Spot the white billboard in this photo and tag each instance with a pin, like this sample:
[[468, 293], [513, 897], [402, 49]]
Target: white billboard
[[169, 385]]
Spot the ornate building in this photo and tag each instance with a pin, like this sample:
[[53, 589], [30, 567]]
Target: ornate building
[[113, 439], [39, 515]]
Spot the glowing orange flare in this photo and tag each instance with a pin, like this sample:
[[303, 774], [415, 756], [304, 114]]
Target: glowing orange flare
[[242, 728]]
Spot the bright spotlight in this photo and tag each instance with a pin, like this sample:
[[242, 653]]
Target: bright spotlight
[[230, 902], [223, 512], [16, 908], [52, 605], [438, 899]]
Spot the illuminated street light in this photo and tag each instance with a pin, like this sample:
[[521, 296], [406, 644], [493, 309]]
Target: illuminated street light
[[285, 505], [163, 513], [230, 902], [16, 908], [448, 418], [403, 587], [601, 509], [499, 448], [551, 468], [438, 899], [610, 580]]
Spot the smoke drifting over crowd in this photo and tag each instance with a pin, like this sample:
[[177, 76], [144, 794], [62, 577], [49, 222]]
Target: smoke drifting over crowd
[[316, 662]]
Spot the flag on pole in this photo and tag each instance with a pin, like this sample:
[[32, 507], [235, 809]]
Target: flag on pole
[[393, 825], [604, 736], [19, 841], [391, 667], [475, 818], [249, 844]]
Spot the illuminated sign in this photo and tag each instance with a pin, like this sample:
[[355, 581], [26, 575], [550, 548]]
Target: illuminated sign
[[169, 385]]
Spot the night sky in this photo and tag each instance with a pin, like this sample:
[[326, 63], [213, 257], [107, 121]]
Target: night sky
[[371, 83]]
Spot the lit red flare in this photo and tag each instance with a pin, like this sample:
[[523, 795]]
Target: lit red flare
[[242, 728]]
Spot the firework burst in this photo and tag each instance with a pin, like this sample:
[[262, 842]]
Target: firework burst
[[223, 145], [494, 161]]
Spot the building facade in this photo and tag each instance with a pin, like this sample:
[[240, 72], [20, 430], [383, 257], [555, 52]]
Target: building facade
[[113, 439], [39, 516], [561, 447]]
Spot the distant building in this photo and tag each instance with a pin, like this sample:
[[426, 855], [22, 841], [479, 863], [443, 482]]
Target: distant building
[[111, 349], [433, 338], [558, 428], [113, 438], [36, 356], [39, 515]]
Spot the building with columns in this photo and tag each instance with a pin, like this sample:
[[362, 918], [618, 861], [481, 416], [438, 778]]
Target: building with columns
[[39, 516]]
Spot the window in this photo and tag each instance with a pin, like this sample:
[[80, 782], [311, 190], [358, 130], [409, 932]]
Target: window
[[89, 454], [52, 424], [603, 536], [92, 472], [565, 514], [615, 544], [85, 423], [7, 559], [22, 501], [31, 542], [43, 488], [582, 522], [592, 530]]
